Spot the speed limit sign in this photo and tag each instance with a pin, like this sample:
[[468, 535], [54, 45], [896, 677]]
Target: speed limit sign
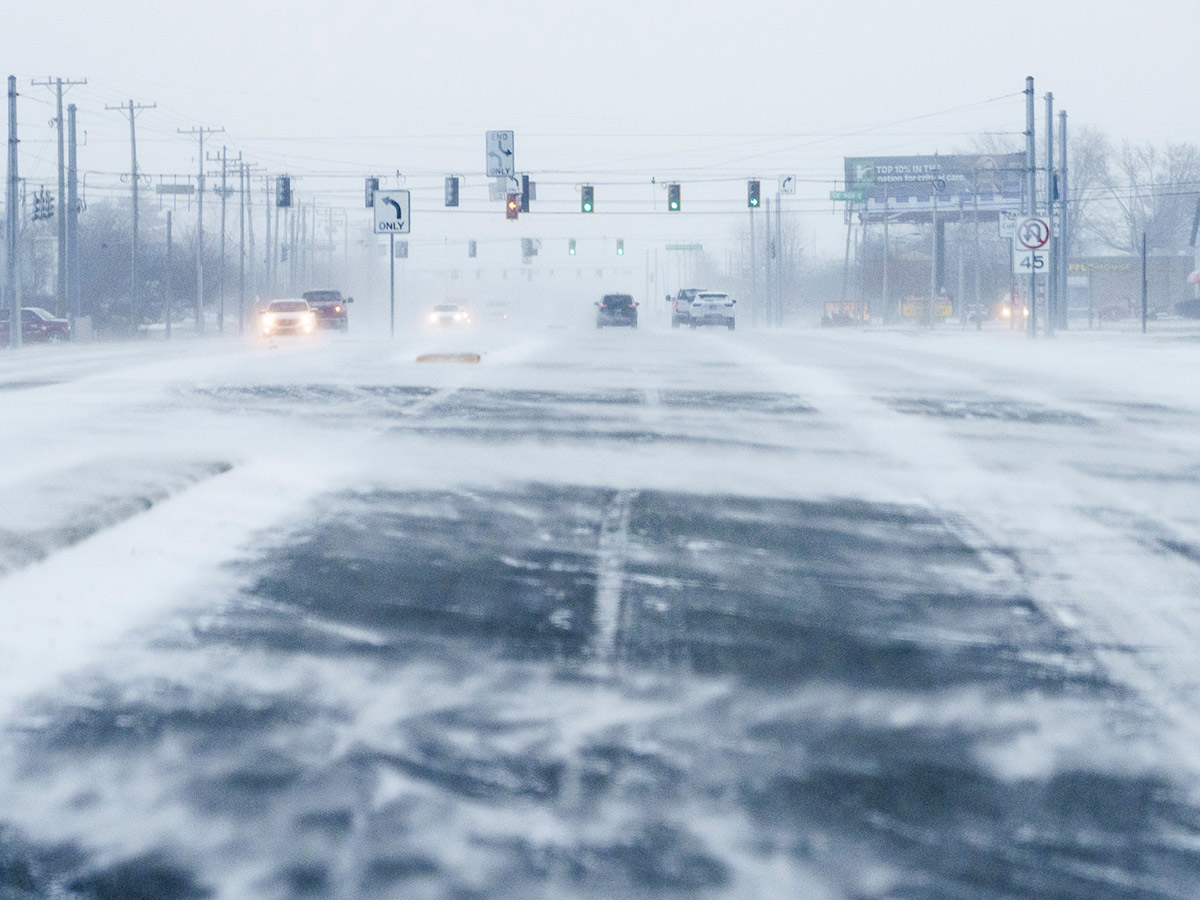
[[1030, 262]]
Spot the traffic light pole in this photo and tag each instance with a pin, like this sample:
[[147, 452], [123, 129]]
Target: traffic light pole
[[392, 281], [12, 284]]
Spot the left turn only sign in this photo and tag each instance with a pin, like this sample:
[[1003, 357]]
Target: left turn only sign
[[392, 212]]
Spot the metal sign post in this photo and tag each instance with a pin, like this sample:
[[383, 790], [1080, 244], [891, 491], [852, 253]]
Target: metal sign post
[[393, 215], [1031, 250]]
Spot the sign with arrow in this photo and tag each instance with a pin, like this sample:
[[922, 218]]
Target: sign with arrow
[[787, 184], [500, 157], [392, 212]]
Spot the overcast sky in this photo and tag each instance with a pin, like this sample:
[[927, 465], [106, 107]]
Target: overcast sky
[[622, 89]]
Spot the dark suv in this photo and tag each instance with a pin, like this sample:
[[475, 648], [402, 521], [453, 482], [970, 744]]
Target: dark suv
[[616, 309], [330, 308]]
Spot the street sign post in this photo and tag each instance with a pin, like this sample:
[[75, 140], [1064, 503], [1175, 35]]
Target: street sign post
[[500, 157], [392, 212], [1031, 246]]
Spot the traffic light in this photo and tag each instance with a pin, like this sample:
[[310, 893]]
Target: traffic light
[[370, 186], [451, 190], [620, 247], [587, 199], [43, 206], [525, 189], [401, 249], [752, 190], [471, 249], [283, 191], [512, 206], [571, 246], [526, 247], [673, 197]]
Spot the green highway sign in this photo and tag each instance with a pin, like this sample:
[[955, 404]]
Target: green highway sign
[[685, 246], [848, 196]]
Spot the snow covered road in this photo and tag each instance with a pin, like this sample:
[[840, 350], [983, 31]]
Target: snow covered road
[[638, 614]]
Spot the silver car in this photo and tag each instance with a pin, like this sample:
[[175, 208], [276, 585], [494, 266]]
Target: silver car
[[712, 308]]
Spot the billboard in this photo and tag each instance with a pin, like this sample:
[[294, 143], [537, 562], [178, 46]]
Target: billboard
[[989, 181]]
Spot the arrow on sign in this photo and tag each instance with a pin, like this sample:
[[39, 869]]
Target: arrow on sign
[[395, 207]]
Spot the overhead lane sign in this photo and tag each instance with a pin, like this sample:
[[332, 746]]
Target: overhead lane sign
[[501, 160], [392, 212]]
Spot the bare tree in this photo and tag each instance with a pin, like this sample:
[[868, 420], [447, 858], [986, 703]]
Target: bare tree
[[1147, 189]]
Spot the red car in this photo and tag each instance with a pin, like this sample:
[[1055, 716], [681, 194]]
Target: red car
[[330, 307], [37, 326]]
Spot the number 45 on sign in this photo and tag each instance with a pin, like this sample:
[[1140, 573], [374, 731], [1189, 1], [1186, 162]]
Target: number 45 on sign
[[1030, 262]]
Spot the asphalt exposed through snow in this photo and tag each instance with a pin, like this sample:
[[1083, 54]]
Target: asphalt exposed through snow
[[554, 685]]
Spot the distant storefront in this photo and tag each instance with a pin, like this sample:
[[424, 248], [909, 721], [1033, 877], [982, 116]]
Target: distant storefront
[[1111, 286]]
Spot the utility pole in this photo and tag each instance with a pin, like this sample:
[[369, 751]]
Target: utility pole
[[270, 258], [1052, 252], [135, 294], [167, 281], [224, 160], [779, 258], [61, 291], [753, 273], [887, 306], [768, 290], [200, 132], [1030, 195], [72, 224], [1063, 224], [12, 282], [241, 244]]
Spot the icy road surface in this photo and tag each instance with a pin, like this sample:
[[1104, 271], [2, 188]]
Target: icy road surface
[[615, 614]]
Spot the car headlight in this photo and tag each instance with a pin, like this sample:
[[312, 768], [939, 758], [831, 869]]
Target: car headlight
[[268, 320], [433, 317]]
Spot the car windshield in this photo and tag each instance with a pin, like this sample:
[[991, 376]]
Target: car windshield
[[445, 307], [288, 306], [322, 296], [618, 300], [37, 311]]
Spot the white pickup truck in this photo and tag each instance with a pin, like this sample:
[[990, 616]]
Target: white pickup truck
[[713, 308], [681, 305]]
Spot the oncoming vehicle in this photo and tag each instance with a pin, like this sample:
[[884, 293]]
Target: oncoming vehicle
[[445, 315], [293, 316], [616, 309], [37, 326], [710, 308], [681, 305], [330, 307]]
